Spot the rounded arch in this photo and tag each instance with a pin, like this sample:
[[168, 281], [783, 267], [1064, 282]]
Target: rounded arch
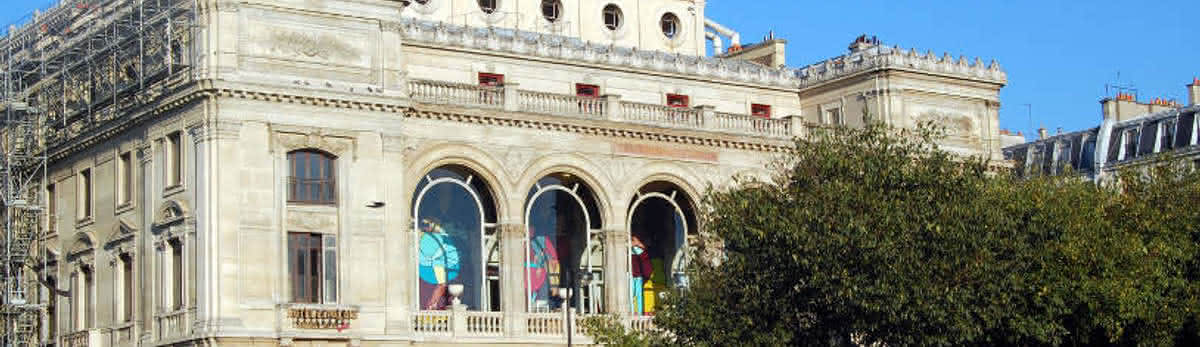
[[578, 166], [469, 157], [662, 220], [455, 219], [564, 245]]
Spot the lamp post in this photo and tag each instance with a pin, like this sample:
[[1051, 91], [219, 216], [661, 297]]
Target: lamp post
[[581, 277]]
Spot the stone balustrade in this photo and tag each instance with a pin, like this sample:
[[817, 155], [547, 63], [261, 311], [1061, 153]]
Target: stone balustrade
[[562, 104], [662, 115], [458, 323], [124, 335], [173, 325], [82, 338], [608, 107]]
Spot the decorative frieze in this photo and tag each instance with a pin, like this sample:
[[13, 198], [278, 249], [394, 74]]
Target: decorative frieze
[[322, 317]]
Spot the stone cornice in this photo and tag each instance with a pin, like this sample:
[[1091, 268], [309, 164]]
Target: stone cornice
[[896, 58]]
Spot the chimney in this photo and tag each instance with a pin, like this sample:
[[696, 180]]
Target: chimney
[[1043, 134], [1194, 92]]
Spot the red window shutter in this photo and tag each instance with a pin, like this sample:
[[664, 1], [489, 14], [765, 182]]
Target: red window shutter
[[587, 90], [760, 110], [676, 100], [491, 79]]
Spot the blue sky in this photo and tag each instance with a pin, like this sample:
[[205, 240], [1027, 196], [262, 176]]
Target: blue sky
[[1058, 54]]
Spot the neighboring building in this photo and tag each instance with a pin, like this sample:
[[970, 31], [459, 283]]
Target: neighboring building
[[1131, 133], [342, 172]]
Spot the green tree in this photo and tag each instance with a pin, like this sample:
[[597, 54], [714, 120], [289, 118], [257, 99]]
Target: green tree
[[875, 236]]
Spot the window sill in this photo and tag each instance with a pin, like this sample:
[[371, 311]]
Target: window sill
[[87, 221], [172, 190], [124, 207]]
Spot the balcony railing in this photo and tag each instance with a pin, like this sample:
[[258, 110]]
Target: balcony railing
[[77, 339], [608, 107], [124, 335], [173, 325], [562, 104]]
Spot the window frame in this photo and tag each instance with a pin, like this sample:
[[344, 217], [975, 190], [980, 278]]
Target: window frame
[[760, 110], [127, 287], [585, 90], [177, 274], [556, 10], [174, 166], [51, 209], [495, 4], [675, 23], [125, 179], [616, 14], [326, 185], [678, 100], [85, 196], [487, 79], [320, 252]]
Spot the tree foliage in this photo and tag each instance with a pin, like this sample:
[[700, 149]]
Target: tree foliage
[[876, 236]]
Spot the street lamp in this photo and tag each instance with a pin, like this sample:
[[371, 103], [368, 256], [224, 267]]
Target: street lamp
[[581, 277]]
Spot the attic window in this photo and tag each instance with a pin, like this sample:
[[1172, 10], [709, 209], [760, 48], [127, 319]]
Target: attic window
[[670, 25], [612, 17], [487, 6], [552, 10], [491, 79], [587, 90]]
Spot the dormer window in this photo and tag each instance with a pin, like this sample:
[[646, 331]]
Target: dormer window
[[670, 25], [552, 10], [613, 17], [487, 6]]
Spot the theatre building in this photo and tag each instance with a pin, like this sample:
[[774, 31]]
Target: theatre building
[[381, 172]]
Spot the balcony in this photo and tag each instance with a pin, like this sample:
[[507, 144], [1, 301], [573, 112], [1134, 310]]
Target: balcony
[[609, 107], [543, 327], [173, 325], [82, 338]]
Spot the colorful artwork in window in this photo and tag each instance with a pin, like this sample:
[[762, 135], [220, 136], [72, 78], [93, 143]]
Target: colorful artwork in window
[[450, 218]]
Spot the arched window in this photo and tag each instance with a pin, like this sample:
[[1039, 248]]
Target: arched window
[[564, 252], [456, 240], [311, 177], [660, 219]]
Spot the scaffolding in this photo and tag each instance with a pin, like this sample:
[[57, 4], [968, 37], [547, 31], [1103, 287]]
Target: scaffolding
[[80, 66]]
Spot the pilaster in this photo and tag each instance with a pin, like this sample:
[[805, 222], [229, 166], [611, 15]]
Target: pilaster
[[512, 272], [616, 270]]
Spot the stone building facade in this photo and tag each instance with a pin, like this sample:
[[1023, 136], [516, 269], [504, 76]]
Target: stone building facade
[[379, 172]]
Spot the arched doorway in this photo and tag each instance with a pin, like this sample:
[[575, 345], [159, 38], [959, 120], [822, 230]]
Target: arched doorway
[[564, 250], [661, 218], [454, 216]]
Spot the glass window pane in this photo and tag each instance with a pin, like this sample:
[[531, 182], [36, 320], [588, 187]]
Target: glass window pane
[[450, 246]]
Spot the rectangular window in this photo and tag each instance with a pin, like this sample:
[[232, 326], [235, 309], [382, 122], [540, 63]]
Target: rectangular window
[[760, 110], [51, 308], [1130, 144], [177, 274], [491, 79], [1167, 142], [587, 90], [676, 100], [73, 303], [174, 159], [127, 287], [89, 292], [312, 263], [85, 194], [51, 210], [125, 185]]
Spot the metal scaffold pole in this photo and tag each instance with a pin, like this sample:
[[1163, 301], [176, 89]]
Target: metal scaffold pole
[[66, 71]]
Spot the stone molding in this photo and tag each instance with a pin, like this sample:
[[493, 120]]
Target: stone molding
[[440, 34]]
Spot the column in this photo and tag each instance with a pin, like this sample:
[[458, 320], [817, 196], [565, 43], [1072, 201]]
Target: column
[[616, 271], [512, 277]]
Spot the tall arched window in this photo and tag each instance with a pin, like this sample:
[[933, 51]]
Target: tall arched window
[[660, 219], [565, 253], [311, 177], [456, 240]]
